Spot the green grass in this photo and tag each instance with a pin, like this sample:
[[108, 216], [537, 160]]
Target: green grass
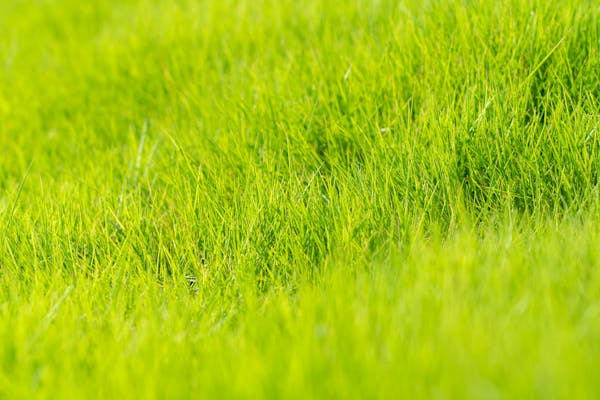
[[282, 199]]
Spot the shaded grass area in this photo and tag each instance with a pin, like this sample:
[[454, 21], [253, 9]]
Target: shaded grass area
[[274, 199]]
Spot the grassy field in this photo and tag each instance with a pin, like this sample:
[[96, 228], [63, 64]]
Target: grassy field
[[284, 199]]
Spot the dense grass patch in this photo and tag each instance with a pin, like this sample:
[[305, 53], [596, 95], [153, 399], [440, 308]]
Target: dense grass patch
[[299, 199]]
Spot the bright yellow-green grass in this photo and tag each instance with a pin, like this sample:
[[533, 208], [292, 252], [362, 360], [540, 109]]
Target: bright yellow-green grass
[[299, 199]]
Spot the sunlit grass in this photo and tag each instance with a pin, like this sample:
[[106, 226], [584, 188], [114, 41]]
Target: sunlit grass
[[281, 199]]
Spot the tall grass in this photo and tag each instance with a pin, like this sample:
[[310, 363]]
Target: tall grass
[[299, 199]]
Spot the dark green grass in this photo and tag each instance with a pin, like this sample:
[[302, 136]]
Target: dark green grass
[[290, 200]]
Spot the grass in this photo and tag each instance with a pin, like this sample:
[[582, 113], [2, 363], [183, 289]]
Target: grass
[[281, 199]]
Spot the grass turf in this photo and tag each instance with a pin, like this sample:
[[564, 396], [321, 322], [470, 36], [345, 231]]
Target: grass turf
[[281, 199]]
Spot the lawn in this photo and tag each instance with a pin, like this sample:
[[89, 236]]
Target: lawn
[[285, 199]]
